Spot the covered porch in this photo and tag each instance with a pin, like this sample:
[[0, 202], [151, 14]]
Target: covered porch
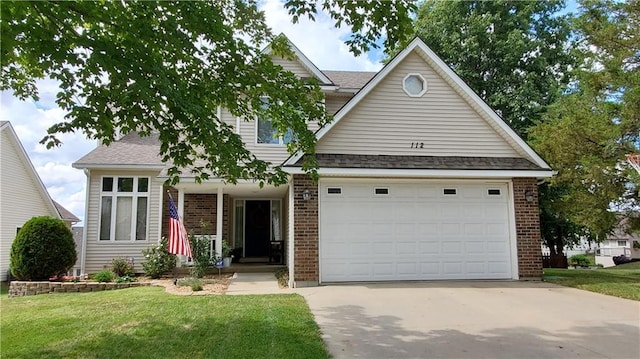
[[253, 221]]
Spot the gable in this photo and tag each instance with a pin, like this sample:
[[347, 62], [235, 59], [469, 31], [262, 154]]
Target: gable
[[22, 190], [293, 66], [439, 123]]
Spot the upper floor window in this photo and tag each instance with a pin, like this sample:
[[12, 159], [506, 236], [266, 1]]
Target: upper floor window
[[124, 205], [622, 243], [414, 85], [266, 133]]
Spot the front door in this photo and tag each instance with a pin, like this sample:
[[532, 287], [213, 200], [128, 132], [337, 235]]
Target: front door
[[257, 229]]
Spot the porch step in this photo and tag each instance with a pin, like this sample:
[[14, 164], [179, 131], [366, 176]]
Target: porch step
[[238, 268]]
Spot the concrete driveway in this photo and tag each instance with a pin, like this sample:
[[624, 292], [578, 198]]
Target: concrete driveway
[[473, 320]]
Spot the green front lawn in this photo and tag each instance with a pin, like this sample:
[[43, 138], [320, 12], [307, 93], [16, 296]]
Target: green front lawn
[[146, 322], [621, 281]]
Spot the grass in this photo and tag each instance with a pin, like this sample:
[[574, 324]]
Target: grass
[[621, 281], [146, 322]]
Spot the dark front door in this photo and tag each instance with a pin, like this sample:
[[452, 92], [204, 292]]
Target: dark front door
[[256, 228]]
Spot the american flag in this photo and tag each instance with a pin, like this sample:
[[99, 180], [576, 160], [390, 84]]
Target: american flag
[[178, 239]]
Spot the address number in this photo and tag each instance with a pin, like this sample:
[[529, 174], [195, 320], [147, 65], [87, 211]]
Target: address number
[[417, 144]]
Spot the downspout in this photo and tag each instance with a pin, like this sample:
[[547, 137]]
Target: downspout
[[83, 252]]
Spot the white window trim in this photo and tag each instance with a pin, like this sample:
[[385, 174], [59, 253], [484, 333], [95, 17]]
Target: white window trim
[[134, 211], [424, 83]]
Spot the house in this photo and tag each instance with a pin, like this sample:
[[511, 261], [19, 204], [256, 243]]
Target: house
[[419, 180], [22, 194], [618, 243]]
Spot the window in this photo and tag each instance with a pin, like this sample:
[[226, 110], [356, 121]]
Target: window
[[334, 190], [414, 85], [381, 191], [123, 208], [449, 191], [265, 132], [622, 243], [493, 192]]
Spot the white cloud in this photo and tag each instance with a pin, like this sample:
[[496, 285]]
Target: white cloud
[[31, 120], [319, 41]]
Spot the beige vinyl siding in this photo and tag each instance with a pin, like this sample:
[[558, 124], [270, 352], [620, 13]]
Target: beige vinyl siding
[[21, 196], [100, 253], [228, 118], [387, 121], [334, 103], [293, 66]]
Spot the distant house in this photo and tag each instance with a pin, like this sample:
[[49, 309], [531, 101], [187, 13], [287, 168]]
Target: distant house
[[419, 180], [620, 242], [22, 194]]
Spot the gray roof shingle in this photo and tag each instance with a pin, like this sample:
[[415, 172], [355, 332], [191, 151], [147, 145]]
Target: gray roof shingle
[[422, 162], [350, 79], [132, 149]]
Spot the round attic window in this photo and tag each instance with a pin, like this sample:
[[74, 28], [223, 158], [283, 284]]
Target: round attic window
[[414, 85]]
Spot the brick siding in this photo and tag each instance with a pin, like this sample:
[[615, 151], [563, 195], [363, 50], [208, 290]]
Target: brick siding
[[527, 229], [199, 207], [305, 219]]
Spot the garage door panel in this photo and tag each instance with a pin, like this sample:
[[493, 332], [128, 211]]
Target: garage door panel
[[474, 247], [450, 229], [429, 247], [406, 248], [476, 268], [452, 268], [474, 229], [415, 232], [497, 247]]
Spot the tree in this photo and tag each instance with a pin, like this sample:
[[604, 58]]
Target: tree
[[166, 67], [588, 132], [43, 248], [513, 54]]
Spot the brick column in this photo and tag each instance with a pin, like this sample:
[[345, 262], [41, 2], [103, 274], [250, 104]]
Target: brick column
[[527, 217], [305, 221]]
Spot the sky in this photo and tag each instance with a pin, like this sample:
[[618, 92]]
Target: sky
[[319, 41]]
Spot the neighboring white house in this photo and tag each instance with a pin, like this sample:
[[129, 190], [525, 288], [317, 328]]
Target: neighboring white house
[[22, 194], [619, 243]]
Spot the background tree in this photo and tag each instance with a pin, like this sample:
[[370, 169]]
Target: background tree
[[587, 133], [167, 66], [513, 54]]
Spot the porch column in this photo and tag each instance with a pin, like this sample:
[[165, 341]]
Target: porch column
[[181, 258], [219, 213]]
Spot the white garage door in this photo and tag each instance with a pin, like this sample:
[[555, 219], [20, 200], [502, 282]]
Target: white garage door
[[376, 231]]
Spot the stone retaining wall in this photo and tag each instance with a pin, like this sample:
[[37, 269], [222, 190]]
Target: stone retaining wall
[[22, 288]]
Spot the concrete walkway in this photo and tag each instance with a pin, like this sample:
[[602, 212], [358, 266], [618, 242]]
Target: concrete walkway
[[254, 283]]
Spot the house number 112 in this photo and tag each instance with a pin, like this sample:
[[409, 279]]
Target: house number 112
[[417, 144]]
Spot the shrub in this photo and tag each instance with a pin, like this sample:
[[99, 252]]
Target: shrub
[[43, 248], [104, 276], [579, 260], [200, 251], [282, 275], [158, 260], [125, 279], [194, 283], [226, 249], [122, 267]]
